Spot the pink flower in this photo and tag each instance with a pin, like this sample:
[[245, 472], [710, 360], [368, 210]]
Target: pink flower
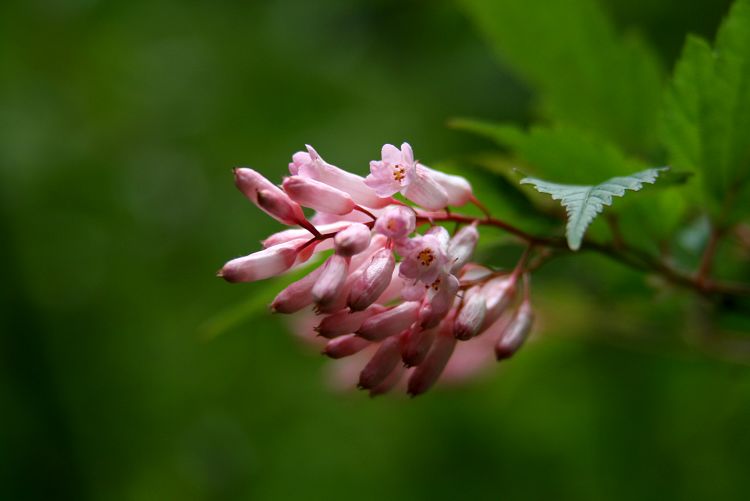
[[375, 277], [268, 197], [396, 222], [318, 196], [311, 165], [382, 363], [385, 295], [263, 264], [461, 246], [470, 318], [297, 295], [393, 172], [423, 189], [390, 322], [346, 322], [424, 258], [352, 240], [516, 332], [328, 286], [428, 372], [457, 188]]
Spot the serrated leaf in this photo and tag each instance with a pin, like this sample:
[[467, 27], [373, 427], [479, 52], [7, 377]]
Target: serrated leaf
[[586, 74], [584, 203], [706, 116]]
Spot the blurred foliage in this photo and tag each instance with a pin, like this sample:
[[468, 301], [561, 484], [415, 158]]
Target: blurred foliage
[[120, 123]]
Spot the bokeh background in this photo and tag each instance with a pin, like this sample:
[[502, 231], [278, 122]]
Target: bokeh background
[[119, 124]]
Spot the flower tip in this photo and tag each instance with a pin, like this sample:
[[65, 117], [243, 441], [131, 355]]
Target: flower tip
[[503, 353], [313, 154]]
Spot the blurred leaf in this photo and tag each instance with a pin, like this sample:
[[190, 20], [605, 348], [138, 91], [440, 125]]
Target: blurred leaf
[[586, 74], [563, 153], [583, 203], [706, 119]]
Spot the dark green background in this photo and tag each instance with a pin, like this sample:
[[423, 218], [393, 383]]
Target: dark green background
[[119, 124]]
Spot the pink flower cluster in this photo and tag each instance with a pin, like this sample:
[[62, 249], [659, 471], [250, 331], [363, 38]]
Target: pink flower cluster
[[404, 298]]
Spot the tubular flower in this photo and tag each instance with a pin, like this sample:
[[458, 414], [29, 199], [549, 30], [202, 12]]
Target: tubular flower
[[384, 294]]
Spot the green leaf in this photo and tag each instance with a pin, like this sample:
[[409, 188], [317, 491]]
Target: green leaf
[[706, 116], [586, 74], [563, 152], [584, 203]]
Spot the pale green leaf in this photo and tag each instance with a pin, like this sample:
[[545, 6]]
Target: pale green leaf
[[584, 203]]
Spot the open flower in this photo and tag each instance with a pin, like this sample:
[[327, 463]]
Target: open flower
[[364, 304]]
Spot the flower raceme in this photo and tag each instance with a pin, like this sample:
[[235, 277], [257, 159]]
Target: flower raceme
[[403, 298]]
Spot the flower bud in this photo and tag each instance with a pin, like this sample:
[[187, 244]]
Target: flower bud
[[296, 295], [280, 206], [381, 364], [498, 293], [457, 188], [295, 233], [318, 196], [345, 321], [461, 246], [390, 322], [352, 240], [424, 190], [416, 344], [372, 281], [470, 317], [311, 165], [263, 264], [343, 346], [516, 332], [428, 372], [274, 202], [436, 306], [389, 382], [328, 286], [396, 222]]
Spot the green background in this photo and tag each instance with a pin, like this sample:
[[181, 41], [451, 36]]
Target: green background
[[119, 124]]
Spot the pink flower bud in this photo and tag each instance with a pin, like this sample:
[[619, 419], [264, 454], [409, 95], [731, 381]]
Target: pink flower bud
[[516, 332], [461, 246], [372, 281], [263, 264], [311, 165], [390, 322], [346, 322], [297, 233], [344, 346], [424, 190], [273, 201], [318, 196], [389, 382], [328, 287], [438, 301], [352, 240], [416, 344], [381, 364], [296, 295], [457, 188], [280, 206], [498, 293], [396, 222], [470, 317], [428, 372]]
